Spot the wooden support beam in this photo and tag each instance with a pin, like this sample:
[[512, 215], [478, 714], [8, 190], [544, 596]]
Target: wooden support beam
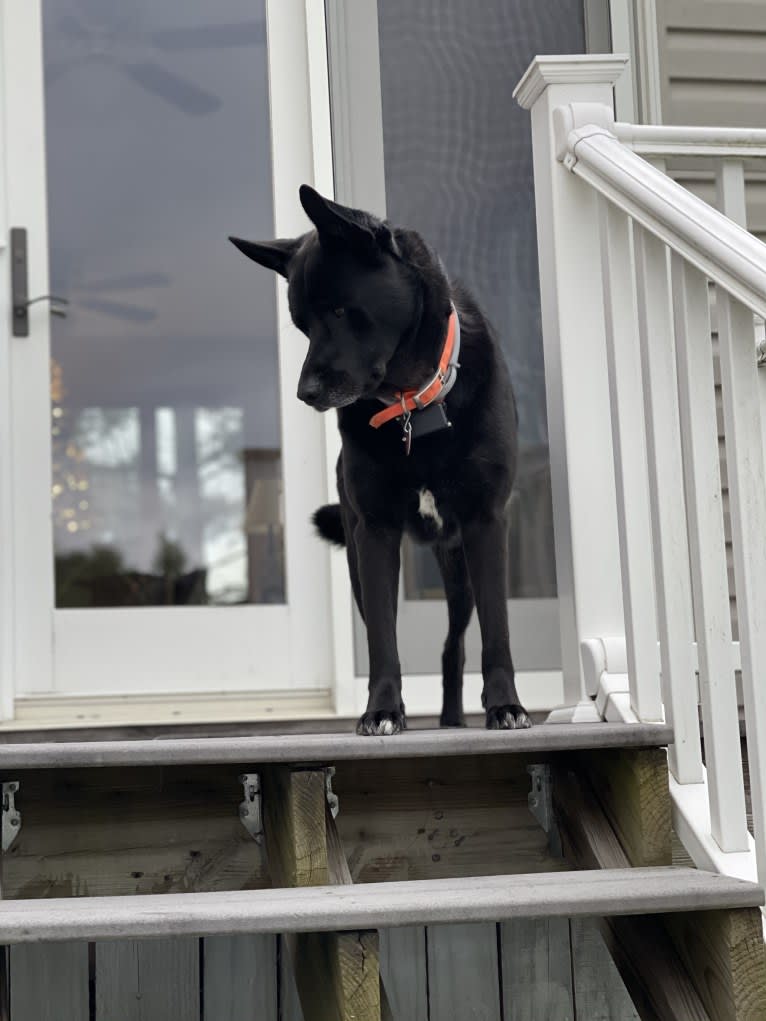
[[294, 820], [696, 965], [659, 985], [340, 875], [337, 974], [725, 949], [631, 786], [639, 943]]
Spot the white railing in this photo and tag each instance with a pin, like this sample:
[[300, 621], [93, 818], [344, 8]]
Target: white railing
[[627, 257]]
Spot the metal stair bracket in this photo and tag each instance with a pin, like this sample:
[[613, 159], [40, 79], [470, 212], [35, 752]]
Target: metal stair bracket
[[250, 810], [11, 824], [540, 801], [332, 797]]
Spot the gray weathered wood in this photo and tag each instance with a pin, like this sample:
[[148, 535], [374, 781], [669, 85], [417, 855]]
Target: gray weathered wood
[[726, 947], [338, 908], [5, 983], [658, 983], [463, 979], [148, 980], [289, 1001], [132, 831], [660, 986], [537, 970], [403, 972], [439, 819], [600, 993], [631, 786], [49, 982], [328, 748], [240, 978]]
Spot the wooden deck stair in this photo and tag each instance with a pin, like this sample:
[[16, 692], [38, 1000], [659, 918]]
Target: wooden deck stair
[[600, 892], [431, 827]]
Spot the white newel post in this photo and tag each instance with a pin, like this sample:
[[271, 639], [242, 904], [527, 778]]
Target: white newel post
[[577, 387]]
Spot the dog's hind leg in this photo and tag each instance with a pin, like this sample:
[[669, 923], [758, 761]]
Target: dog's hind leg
[[349, 526], [486, 548], [460, 602]]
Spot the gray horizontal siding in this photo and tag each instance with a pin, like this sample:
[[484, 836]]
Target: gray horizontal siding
[[713, 72], [712, 62]]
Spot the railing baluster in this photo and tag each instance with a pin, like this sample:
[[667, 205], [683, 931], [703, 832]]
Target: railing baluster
[[730, 189], [630, 462], [747, 498], [671, 550], [743, 429], [707, 549]]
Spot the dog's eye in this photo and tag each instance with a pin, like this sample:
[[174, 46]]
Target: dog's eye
[[339, 312]]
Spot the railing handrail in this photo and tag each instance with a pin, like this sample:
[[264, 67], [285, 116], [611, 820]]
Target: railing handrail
[[670, 140], [725, 252], [635, 445]]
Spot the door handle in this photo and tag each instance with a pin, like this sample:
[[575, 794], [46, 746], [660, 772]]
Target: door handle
[[20, 299]]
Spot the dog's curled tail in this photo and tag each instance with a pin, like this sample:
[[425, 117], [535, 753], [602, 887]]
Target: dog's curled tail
[[329, 524]]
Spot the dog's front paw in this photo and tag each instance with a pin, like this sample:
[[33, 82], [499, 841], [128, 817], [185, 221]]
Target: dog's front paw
[[508, 717], [381, 723]]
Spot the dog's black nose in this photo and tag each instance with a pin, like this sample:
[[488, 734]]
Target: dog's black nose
[[309, 389]]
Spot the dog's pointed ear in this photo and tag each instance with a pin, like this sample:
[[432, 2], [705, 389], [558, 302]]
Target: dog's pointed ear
[[340, 223], [274, 255]]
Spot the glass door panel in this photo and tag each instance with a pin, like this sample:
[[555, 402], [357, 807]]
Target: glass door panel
[[165, 425]]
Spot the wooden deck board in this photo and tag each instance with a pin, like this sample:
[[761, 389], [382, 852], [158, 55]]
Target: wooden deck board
[[142, 981], [240, 978], [463, 979], [599, 992], [49, 983], [536, 961], [326, 748], [403, 972], [332, 909]]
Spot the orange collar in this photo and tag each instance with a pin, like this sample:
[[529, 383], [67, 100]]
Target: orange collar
[[436, 389]]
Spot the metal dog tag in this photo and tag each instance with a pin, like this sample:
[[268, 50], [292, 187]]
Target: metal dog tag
[[407, 433]]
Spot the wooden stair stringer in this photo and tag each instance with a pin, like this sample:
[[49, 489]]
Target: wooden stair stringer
[[686, 966]]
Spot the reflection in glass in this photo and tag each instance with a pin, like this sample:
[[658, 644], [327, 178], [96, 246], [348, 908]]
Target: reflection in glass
[[166, 475], [458, 168]]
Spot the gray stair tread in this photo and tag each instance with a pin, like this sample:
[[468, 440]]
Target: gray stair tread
[[325, 748], [376, 905]]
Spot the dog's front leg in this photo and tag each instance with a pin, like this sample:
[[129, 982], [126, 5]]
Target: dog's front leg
[[486, 551], [378, 558]]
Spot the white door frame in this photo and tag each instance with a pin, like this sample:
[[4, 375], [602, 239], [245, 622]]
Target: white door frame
[[301, 150]]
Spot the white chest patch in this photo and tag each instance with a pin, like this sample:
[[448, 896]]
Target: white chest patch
[[428, 509]]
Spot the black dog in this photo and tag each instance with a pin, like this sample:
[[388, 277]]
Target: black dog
[[385, 325]]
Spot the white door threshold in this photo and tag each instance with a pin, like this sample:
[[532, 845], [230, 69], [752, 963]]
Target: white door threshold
[[54, 712]]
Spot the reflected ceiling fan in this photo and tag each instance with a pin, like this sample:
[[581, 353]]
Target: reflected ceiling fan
[[107, 32], [78, 32], [87, 296]]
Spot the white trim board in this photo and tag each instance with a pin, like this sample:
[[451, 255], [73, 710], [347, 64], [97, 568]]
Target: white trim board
[[540, 691], [52, 712]]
